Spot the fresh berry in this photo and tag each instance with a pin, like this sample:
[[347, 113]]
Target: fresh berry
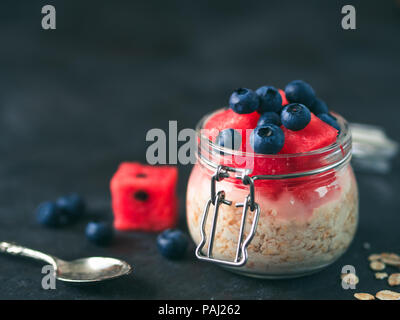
[[73, 205], [295, 116], [319, 107], [317, 134], [269, 118], [270, 99], [172, 244], [283, 96], [299, 91], [144, 197], [329, 119], [243, 101], [268, 139], [51, 215], [229, 138], [100, 233]]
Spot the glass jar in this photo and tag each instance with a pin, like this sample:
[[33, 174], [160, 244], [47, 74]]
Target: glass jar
[[272, 216]]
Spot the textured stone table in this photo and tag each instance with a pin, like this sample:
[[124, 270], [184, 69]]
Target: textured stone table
[[76, 101]]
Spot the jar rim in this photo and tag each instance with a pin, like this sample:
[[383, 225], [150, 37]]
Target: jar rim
[[342, 142]]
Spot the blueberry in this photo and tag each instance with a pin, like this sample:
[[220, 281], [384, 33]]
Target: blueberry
[[51, 215], [295, 116], [172, 243], [243, 101], [229, 138], [73, 205], [267, 139], [100, 233], [269, 118], [270, 99], [300, 91], [329, 119], [319, 107]]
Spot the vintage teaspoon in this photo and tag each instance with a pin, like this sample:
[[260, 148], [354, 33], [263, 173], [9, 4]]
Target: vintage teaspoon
[[91, 269]]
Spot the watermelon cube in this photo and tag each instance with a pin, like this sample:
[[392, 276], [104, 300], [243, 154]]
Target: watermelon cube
[[317, 134], [228, 119], [144, 197]]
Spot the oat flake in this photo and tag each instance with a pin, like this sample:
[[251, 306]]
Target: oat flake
[[377, 265], [374, 257], [388, 295], [364, 296], [394, 279], [349, 278], [381, 275]]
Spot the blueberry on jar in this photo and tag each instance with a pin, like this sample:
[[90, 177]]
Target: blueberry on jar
[[172, 244], [267, 139], [329, 119], [244, 101], [295, 116], [319, 107], [269, 118], [229, 138], [270, 99], [299, 91]]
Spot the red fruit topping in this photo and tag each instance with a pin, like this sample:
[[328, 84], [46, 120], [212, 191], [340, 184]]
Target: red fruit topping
[[144, 197], [316, 135], [283, 95], [228, 119]]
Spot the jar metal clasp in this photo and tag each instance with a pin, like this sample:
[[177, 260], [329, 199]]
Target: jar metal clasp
[[217, 199]]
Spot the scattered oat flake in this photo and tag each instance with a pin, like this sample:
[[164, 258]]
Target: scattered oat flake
[[364, 296], [390, 255], [394, 279], [374, 257], [377, 265], [381, 275], [388, 295], [349, 278], [391, 262]]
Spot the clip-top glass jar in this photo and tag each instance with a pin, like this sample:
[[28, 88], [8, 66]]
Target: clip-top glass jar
[[272, 216]]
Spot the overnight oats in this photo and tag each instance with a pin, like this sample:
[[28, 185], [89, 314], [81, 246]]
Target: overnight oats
[[273, 194]]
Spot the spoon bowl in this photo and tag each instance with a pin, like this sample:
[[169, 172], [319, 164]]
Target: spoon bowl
[[91, 269]]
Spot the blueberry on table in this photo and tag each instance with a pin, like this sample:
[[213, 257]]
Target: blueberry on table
[[319, 107], [172, 243], [270, 99], [295, 116], [269, 118], [229, 138], [267, 139], [49, 214], [244, 101], [73, 205], [329, 119], [100, 233], [299, 91]]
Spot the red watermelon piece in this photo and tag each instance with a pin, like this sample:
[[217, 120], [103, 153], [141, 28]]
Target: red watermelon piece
[[283, 95], [316, 135], [144, 197], [228, 119]]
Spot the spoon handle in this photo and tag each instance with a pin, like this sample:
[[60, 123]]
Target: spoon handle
[[17, 250]]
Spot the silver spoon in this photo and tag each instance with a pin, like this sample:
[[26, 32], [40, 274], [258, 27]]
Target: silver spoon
[[82, 270]]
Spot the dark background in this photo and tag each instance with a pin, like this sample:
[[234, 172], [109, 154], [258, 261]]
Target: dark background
[[78, 100]]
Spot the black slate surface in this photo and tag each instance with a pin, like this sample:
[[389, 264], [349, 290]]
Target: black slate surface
[[76, 101]]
